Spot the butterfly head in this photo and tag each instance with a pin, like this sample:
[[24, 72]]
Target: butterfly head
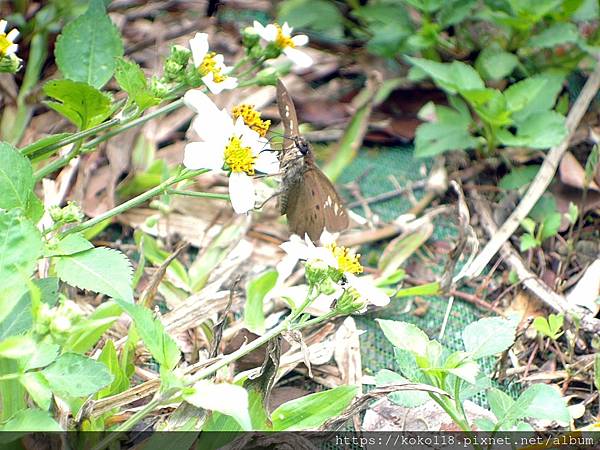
[[302, 145]]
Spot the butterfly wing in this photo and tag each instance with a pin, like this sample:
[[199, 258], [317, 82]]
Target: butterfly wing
[[313, 205], [289, 119]]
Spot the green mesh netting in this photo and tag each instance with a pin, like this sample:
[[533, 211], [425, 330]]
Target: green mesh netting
[[373, 168]]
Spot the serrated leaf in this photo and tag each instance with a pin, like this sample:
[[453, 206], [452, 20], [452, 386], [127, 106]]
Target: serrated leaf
[[254, 316], [500, 403], [74, 375], [16, 178], [45, 354], [102, 270], [17, 347], [162, 346], [110, 359], [488, 336], [452, 77], [520, 95], [551, 225], [494, 63], [87, 47], [69, 245], [20, 248], [132, 80], [84, 105], [539, 130], [311, 411]]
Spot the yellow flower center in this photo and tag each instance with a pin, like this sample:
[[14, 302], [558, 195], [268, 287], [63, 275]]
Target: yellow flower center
[[282, 40], [347, 262], [209, 65], [252, 119], [5, 43], [239, 158]]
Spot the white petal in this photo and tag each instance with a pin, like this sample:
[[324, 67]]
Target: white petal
[[199, 102], [368, 291], [213, 87], [285, 267], [258, 27], [229, 83], [202, 155], [199, 47], [12, 35], [327, 237], [286, 29], [300, 39], [219, 61], [241, 192], [270, 33], [3, 24], [11, 49], [298, 57], [267, 162]]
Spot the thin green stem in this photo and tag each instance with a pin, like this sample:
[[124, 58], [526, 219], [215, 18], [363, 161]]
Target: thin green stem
[[30, 149], [91, 145], [135, 201], [257, 64], [198, 194]]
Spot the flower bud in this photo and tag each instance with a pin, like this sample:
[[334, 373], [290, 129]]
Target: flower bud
[[175, 64], [272, 51], [250, 37], [10, 63], [267, 77], [68, 214], [349, 302], [317, 272]]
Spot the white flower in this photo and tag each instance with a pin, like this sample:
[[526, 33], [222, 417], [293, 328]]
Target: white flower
[[7, 40], [336, 257], [210, 65], [281, 36], [230, 142]]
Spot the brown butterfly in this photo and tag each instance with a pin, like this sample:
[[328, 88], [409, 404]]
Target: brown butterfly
[[307, 196]]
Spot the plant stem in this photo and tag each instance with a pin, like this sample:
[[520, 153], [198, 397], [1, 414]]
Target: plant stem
[[198, 194], [91, 145], [134, 201]]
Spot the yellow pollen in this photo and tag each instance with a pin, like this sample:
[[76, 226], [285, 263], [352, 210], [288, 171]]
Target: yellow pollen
[[347, 262], [238, 158], [5, 43], [209, 65], [282, 40], [252, 118]]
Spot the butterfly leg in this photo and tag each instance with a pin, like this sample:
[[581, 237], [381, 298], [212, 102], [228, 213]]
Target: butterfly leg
[[276, 194]]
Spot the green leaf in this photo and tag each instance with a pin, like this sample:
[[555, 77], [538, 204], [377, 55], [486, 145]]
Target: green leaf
[[494, 63], [257, 289], [449, 132], [546, 98], [38, 388], [102, 270], [45, 354], [454, 11], [572, 213], [29, 420], [318, 15], [539, 130], [20, 248], [462, 365], [541, 401], [405, 336], [545, 206], [16, 178], [228, 399], [452, 77], [528, 225], [157, 256], [311, 411], [520, 95], [500, 403], [69, 245], [488, 336], [519, 177], [408, 399], [87, 47], [110, 359], [551, 225], [132, 80], [74, 375], [162, 346], [557, 34], [84, 105], [17, 347], [528, 241]]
